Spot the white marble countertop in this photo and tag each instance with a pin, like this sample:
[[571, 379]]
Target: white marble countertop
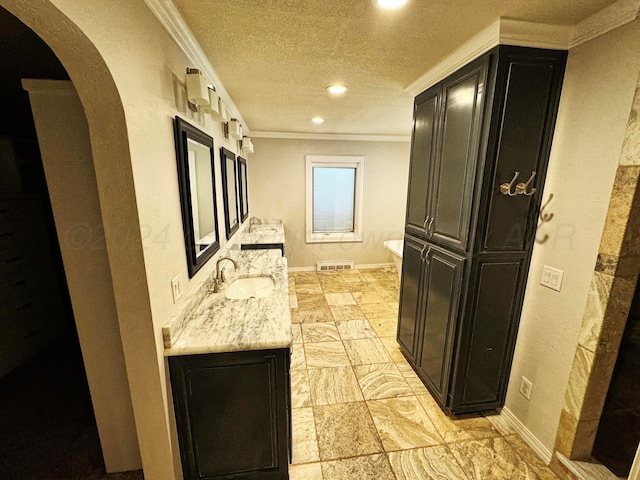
[[263, 231], [223, 325]]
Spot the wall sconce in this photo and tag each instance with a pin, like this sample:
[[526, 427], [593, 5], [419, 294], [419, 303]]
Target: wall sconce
[[197, 91], [246, 145], [213, 108], [224, 112], [235, 129]]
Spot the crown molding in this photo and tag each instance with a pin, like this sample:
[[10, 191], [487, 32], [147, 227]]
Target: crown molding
[[332, 136], [508, 31], [170, 18], [474, 47]]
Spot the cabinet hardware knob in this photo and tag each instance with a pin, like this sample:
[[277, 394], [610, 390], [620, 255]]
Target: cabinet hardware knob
[[429, 228], [506, 188], [424, 225]]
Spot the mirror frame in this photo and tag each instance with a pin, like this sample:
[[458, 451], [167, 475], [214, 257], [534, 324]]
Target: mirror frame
[[227, 176], [183, 132], [243, 187]]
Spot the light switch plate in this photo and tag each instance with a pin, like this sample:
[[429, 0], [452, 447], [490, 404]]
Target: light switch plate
[[176, 287], [552, 278]]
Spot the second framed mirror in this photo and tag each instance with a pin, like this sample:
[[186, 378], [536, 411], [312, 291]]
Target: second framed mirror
[[243, 185], [229, 166]]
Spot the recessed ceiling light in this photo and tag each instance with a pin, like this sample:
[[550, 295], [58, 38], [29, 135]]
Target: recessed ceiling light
[[390, 4], [337, 89], [317, 120]]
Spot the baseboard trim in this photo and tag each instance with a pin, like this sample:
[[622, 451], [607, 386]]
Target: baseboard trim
[[531, 440]]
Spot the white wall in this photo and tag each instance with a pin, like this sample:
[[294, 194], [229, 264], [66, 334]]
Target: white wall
[[596, 99], [277, 189]]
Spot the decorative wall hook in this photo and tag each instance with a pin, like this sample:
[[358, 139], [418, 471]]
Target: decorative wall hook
[[521, 188], [505, 188]]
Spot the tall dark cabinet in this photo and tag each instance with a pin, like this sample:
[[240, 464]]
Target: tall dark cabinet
[[480, 147]]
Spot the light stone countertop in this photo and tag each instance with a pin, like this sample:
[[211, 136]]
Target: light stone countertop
[[223, 325], [263, 231]]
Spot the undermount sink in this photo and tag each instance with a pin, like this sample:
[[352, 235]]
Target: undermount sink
[[257, 286], [263, 229]]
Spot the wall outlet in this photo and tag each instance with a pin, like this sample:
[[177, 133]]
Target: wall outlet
[[525, 388], [176, 287], [552, 277]]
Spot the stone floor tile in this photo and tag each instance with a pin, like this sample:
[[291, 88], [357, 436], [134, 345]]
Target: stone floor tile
[[367, 297], [355, 329], [305, 442], [433, 463], [311, 315], [381, 381], [334, 385], [346, 430], [311, 300], [300, 389], [369, 467], [346, 312], [402, 423], [320, 332], [366, 351], [306, 471], [335, 299], [326, 355], [492, 458], [385, 326]]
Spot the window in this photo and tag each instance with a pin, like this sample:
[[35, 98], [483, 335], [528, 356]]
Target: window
[[334, 198]]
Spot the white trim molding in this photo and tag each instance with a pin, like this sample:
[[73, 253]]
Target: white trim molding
[[531, 440], [362, 266], [333, 136], [508, 31]]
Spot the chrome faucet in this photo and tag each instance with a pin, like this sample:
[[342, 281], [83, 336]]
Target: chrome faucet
[[219, 273]]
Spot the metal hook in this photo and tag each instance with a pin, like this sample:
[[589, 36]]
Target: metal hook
[[505, 188], [521, 188]]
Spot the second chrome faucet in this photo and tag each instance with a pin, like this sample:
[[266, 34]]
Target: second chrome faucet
[[220, 273]]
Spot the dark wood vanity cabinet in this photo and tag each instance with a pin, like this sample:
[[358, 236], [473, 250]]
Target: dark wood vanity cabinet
[[480, 147], [233, 414]]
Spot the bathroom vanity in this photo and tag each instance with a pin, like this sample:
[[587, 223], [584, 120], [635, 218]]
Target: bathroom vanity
[[263, 234], [229, 364]]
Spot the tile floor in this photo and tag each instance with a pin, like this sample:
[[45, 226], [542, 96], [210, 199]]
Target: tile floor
[[359, 410]]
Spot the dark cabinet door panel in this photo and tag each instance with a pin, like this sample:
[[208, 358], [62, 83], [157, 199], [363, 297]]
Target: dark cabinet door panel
[[422, 150], [488, 331], [463, 101], [409, 308], [442, 295], [522, 145], [231, 414]]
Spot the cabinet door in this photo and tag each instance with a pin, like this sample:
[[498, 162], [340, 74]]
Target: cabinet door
[[442, 287], [409, 308], [231, 414], [487, 334], [457, 155], [425, 123], [520, 140]]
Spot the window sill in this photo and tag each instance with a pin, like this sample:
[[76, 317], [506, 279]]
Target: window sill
[[333, 237]]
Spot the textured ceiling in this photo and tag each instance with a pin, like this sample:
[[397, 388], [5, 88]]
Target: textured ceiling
[[276, 57]]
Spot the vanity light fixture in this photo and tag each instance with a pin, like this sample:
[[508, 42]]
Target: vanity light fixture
[[246, 145], [213, 108], [224, 112], [197, 91], [317, 120], [337, 89], [390, 4], [235, 129]]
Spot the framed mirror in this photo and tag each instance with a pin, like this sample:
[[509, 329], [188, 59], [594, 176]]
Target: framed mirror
[[230, 191], [196, 179], [242, 185]]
